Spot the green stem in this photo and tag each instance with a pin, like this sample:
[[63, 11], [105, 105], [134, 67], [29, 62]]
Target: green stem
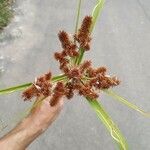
[[109, 124], [80, 57], [24, 86]]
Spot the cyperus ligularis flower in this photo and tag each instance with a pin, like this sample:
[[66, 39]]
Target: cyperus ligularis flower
[[82, 78], [79, 76]]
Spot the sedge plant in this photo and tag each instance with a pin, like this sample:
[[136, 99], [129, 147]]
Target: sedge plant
[[78, 76]]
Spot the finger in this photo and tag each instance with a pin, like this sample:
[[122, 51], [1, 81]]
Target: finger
[[58, 106], [36, 104]]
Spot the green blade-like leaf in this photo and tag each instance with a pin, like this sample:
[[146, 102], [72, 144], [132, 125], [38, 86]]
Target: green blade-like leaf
[[78, 15], [74, 59], [95, 13], [126, 102], [80, 57], [109, 124], [24, 86], [14, 89]]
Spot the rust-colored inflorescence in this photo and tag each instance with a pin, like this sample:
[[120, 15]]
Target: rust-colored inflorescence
[[41, 87], [83, 35], [82, 79]]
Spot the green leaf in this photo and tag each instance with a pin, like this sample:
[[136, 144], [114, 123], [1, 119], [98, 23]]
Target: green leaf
[[109, 124], [74, 59], [96, 12], [79, 58], [126, 102], [78, 15], [24, 86], [14, 88]]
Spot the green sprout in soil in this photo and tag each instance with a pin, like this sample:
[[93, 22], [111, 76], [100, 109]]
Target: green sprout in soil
[[6, 13], [78, 76]]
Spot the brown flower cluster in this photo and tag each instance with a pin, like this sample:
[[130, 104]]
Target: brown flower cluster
[[83, 35], [41, 87], [82, 78], [70, 47], [87, 81]]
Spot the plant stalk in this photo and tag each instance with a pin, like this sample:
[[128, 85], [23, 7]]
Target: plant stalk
[[126, 102], [109, 124], [78, 15]]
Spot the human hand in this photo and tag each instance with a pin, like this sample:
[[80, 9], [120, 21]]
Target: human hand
[[43, 114], [39, 119]]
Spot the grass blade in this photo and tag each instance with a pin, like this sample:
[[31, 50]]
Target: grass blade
[[109, 124], [79, 58], [78, 15], [126, 102], [24, 86], [96, 12], [14, 89], [74, 59]]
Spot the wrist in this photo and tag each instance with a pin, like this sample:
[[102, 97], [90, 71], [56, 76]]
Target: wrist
[[21, 136], [31, 127]]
